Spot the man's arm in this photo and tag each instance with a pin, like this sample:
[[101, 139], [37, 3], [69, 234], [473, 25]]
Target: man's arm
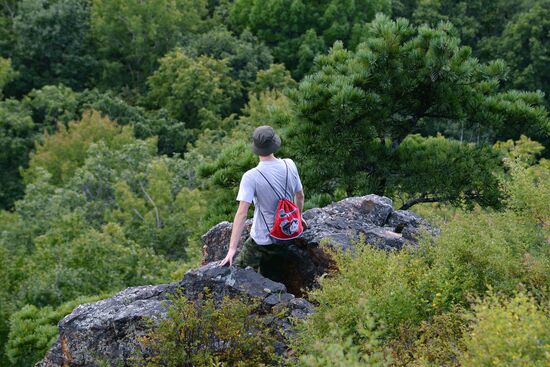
[[236, 232], [299, 198]]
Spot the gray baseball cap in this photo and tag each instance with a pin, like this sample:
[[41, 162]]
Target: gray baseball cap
[[265, 141]]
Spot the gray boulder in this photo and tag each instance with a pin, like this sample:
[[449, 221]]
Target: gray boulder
[[108, 331]]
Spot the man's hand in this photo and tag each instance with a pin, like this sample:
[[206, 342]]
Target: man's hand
[[238, 225], [304, 224], [228, 258]]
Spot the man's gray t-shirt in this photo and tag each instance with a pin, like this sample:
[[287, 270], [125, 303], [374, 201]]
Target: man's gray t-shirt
[[255, 189]]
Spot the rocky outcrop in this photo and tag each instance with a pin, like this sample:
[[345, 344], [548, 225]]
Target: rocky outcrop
[[108, 330], [340, 225]]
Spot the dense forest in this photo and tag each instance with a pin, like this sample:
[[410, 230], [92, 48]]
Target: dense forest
[[125, 128]]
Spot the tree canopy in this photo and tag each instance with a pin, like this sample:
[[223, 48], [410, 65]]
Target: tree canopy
[[357, 111]]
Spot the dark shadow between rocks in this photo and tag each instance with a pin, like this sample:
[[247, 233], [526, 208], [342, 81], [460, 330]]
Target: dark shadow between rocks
[[299, 268]]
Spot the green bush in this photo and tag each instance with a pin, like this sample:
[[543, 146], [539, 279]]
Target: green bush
[[340, 349], [203, 334], [415, 299], [481, 249], [33, 330], [514, 332], [435, 342]]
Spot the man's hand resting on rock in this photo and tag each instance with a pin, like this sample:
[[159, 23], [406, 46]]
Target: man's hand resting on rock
[[228, 258], [237, 230]]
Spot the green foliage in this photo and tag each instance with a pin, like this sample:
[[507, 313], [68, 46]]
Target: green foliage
[[296, 30], [413, 300], [17, 134], [7, 11], [514, 332], [468, 257], [5, 306], [33, 330], [518, 112], [473, 19], [529, 194], [161, 213], [52, 104], [274, 78], [105, 221], [70, 145], [445, 170], [338, 348], [132, 35], [357, 110], [435, 342], [529, 189], [72, 260], [522, 152], [121, 195], [52, 44], [244, 54], [191, 89], [193, 331], [172, 135], [516, 31], [115, 178], [7, 74], [524, 46], [403, 8]]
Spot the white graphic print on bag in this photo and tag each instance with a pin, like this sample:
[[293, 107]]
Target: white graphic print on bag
[[288, 226]]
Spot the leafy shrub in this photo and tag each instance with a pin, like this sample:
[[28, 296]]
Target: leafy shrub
[[204, 334], [340, 349], [514, 332], [416, 296], [435, 342], [481, 249], [33, 330]]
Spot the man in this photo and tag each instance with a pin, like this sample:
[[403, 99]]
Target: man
[[263, 186]]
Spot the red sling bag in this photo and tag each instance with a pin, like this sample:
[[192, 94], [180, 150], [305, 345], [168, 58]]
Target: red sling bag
[[288, 221]]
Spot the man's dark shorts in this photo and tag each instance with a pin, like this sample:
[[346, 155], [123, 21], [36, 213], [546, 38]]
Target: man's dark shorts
[[254, 255]]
